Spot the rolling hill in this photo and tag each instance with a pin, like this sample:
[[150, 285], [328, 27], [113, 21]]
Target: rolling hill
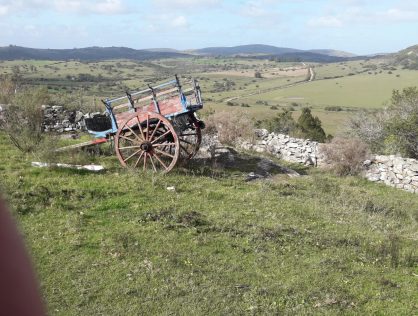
[[407, 57], [13, 52], [89, 53]]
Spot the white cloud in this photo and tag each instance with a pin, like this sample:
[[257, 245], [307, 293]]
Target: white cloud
[[3, 10], [254, 9], [108, 7], [168, 5], [397, 15], [262, 13], [105, 7], [325, 21], [180, 22]]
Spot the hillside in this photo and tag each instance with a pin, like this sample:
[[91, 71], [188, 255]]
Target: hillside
[[273, 52], [120, 243], [245, 50], [104, 53], [407, 57], [332, 52], [88, 53]]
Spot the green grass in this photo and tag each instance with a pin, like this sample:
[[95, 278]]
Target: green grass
[[119, 243], [363, 84]]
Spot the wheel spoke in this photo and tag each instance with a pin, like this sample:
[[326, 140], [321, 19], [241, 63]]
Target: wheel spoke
[[185, 141], [125, 160], [160, 136], [185, 149], [163, 153], [155, 129], [145, 161], [129, 147], [127, 138], [136, 135], [152, 163], [163, 144], [159, 160], [140, 128], [147, 126], [137, 162]]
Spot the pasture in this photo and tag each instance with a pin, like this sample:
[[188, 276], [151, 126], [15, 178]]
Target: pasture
[[352, 86], [120, 243]]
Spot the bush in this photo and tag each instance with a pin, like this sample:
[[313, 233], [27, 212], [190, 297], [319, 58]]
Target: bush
[[7, 89], [393, 130], [346, 155], [22, 121], [230, 126], [257, 74], [333, 108]]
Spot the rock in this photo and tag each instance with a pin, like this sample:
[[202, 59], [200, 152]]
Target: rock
[[261, 133], [367, 163], [253, 176]]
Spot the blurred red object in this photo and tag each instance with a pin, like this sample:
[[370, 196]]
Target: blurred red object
[[19, 291]]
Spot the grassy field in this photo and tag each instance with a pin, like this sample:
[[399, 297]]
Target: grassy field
[[120, 243], [352, 85]]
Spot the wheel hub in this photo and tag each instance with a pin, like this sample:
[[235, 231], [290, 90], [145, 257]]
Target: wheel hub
[[146, 146]]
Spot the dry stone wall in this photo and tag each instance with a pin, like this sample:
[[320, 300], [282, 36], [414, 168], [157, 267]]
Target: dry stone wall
[[395, 171], [285, 147]]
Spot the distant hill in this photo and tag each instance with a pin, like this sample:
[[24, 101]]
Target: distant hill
[[101, 53], [88, 53], [245, 50], [281, 53], [332, 52], [407, 57]]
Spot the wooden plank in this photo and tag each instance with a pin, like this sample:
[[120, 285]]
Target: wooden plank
[[85, 144], [159, 94]]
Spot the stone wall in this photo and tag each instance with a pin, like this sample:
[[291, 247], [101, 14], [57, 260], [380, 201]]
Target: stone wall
[[58, 119], [285, 147], [395, 171], [398, 172]]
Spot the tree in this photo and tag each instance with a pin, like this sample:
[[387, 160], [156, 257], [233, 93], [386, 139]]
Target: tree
[[310, 126], [393, 130]]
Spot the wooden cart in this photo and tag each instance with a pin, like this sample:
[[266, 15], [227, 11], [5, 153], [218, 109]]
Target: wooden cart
[[153, 128]]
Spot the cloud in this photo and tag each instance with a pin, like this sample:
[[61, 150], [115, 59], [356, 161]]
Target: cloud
[[262, 12], [325, 21], [364, 15], [108, 7], [397, 15], [180, 22], [187, 4], [101, 7]]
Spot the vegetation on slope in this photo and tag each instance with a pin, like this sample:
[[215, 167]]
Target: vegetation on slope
[[120, 243]]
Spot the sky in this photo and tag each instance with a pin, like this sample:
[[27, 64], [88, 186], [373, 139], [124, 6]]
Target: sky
[[357, 26]]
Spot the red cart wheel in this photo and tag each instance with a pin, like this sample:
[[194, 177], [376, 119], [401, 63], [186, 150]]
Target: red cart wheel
[[147, 140]]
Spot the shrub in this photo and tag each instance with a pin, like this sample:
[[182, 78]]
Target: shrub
[[281, 123], [346, 155], [22, 121], [333, 108], [7, 89], [230, 126], [257, 74], [393, 130]]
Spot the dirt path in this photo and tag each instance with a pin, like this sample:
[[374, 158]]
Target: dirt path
[[261, 91]]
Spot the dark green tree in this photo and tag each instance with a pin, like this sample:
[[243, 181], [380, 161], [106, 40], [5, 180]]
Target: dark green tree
[[310, 126]]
